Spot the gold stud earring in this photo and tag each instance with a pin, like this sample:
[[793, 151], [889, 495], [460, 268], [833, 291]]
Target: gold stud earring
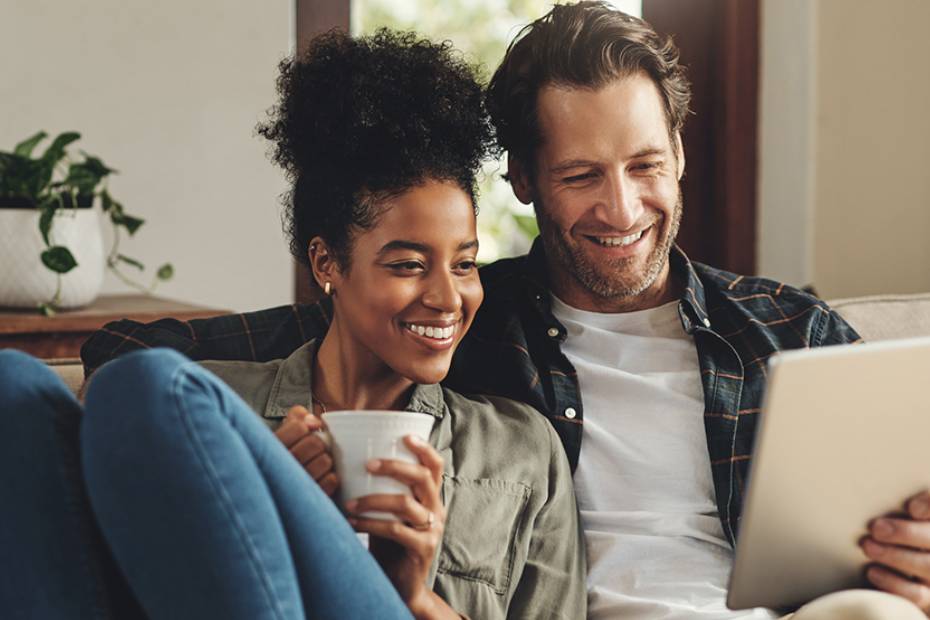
[[328, 287]]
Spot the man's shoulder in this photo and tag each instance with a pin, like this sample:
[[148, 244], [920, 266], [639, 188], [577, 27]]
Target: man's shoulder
[[782, 315], [502, 276], [728, 287]]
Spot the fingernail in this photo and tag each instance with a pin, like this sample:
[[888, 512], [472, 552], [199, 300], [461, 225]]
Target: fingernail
[[416, 439], [873, 549], [920, 507], [883, 528], [374, 465], [351, 505]]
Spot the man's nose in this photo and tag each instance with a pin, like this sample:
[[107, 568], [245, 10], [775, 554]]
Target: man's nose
[[623, 206], [442, 292]]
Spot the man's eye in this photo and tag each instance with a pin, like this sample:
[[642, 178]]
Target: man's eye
[[467, 265], [575, 178], [648, 165]]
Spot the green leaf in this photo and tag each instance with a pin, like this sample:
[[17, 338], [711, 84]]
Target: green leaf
[[25, 147], [96, 166], [105, 200], [45, 220], [131, 223], [83, 178], [54, 153], [59, 259], [47, 309], [165, 272], [130, 261]]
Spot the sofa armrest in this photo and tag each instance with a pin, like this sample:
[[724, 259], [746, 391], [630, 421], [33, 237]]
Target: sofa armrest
[[886, 317]]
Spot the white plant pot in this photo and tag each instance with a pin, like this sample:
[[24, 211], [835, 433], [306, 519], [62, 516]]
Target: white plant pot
[[25, 282]]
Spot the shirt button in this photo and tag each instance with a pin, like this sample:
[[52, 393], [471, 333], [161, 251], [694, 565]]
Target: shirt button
[[553, 332], [706, 322], [570, 413]]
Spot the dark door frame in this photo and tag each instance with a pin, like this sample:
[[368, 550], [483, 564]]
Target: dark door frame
[[719, 44]]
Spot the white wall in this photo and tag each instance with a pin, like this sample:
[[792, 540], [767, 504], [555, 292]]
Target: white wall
[[168, 93], [845, 145]]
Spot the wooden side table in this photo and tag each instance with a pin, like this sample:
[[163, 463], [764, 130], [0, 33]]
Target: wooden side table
[[62, 335]]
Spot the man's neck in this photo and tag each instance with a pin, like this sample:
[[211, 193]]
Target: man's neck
[[666, 288]]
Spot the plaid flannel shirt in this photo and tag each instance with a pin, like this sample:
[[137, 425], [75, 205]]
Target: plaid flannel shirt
[[514, 349]]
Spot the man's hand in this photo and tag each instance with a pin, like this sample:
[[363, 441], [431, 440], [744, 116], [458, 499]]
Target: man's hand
[[299, 435], [899, 547]]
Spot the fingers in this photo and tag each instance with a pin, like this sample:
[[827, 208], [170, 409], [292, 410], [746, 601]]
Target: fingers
[[297, 424], [404, 507], [427, 456], [919, 506], [884, 579], [417, 477], [308, 448], [422, 544], [903, 560], [329, 483], [904, 532]]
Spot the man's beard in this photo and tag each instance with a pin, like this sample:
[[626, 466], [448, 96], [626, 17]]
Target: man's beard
[[604, 279]]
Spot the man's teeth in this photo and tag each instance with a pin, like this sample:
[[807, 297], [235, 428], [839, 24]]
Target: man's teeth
[[615, 241], [439, 333]]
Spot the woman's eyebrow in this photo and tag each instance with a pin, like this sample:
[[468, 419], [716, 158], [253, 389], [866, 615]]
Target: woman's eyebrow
[[399, 244]]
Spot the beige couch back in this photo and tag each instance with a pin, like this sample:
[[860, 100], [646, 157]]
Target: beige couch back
[[882, 317]]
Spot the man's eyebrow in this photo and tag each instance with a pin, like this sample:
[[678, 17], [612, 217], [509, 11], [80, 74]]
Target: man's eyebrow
[[583, 163], [649, 150], [571, 163], [400, 244]]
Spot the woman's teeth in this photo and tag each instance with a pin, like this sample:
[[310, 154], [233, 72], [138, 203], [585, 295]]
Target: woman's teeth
[[615, 241], [439, 333]]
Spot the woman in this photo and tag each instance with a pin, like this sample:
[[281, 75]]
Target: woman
[[206, 513]]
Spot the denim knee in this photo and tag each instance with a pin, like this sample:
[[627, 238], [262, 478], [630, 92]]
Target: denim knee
[[32, 393]]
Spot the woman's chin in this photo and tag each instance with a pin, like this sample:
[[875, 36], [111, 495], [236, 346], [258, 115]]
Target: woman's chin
[[426, 373]]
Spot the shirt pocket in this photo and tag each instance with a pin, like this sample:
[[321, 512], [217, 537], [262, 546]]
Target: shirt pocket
[[484, 523]]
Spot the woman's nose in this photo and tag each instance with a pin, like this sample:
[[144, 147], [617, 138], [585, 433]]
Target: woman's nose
[[442, 293]]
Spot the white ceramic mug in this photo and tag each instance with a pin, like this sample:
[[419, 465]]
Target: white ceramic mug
[[357, 437]]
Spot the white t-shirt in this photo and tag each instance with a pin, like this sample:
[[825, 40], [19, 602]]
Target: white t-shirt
[[656, 548]]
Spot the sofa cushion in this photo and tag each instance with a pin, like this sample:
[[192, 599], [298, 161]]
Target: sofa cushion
[[886, 317]]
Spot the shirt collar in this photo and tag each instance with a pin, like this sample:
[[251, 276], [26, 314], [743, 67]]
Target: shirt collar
[[692, 306], [293, 381]]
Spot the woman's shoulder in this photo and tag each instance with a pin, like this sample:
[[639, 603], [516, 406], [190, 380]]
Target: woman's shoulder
[[504, 427]]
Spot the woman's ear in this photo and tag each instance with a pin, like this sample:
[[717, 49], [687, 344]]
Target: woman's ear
[[322, 264], [520, 180]]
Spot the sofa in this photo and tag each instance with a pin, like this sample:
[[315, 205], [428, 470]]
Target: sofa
[[878, 317]]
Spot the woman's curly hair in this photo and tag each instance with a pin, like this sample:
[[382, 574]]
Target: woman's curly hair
[[362, 119]]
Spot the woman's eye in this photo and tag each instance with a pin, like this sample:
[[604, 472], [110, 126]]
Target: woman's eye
[[408, 265], [467, 265]]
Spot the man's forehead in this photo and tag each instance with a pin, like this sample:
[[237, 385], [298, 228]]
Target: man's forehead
[[628, 110]]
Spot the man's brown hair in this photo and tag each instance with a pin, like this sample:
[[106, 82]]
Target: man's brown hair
[[584, 45]]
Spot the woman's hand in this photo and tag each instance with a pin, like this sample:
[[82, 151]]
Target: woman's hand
[[405, 548], [299, 435]]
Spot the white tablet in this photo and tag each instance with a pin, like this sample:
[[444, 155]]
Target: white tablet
[[844, 437]]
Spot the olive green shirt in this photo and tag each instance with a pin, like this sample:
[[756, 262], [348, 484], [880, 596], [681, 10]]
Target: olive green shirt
[[512, 546]]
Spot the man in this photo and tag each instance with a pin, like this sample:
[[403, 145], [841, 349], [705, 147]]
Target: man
[[668, 355]]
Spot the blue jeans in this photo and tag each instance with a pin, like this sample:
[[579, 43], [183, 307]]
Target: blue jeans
[[204, 513]]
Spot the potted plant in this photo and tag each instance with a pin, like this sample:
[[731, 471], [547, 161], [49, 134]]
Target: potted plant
[[51, 248]]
